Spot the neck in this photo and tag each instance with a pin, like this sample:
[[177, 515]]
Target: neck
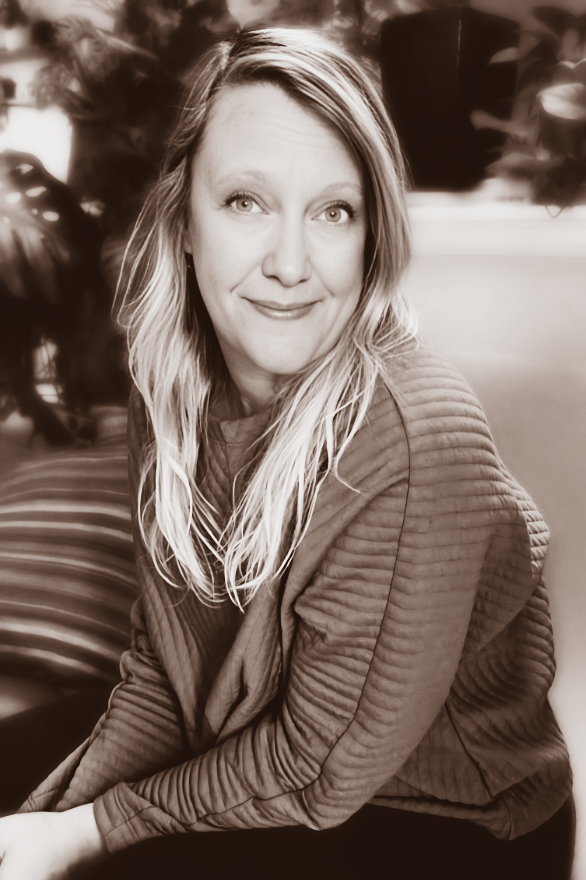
[[237, 401], [247, 391]]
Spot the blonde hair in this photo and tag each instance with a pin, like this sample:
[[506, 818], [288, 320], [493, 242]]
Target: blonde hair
[[174, 354]]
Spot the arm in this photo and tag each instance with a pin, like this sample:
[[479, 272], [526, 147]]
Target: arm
[[143, 729], [380, 631], [141, 732]]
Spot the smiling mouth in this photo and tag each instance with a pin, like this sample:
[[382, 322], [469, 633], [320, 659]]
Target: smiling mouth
[[281, 312]]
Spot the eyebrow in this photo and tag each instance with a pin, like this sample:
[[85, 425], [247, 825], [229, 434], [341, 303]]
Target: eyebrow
[[256, 175], [263, 177]]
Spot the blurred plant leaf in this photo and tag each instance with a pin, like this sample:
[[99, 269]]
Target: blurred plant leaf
[[543, 52], [535, 75], [50, 286], [571, 49], [563, 73], [524, 164], [447, 4], [42, 231], [542, 36], [407, 8], [517, 128], [505, 56], [581, 25], [537, 64], [26, 251], [580, 72], [124, 46], [559, 20], [566, 101]]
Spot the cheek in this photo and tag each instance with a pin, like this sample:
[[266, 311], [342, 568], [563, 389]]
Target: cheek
[[341, 268], [221, 258]]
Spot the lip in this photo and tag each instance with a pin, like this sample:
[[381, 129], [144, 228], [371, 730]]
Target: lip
[[281, 312]]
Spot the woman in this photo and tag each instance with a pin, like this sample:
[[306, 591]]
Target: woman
[[342, 625]]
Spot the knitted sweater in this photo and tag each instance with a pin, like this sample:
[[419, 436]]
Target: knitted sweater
[[404, 661]]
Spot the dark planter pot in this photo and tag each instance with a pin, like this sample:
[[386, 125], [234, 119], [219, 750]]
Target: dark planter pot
[[435, 72]]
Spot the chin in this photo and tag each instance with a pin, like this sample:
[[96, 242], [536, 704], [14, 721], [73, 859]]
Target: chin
[[285, 366]]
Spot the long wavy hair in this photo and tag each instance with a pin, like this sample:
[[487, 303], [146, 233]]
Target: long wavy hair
[[175, 357]]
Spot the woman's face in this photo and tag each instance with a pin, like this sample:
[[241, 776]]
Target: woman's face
[[277, 231]]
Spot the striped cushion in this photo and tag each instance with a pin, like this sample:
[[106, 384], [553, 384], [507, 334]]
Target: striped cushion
[[67, 571]]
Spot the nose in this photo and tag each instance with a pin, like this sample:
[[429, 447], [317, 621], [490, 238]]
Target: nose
[[287, 257]]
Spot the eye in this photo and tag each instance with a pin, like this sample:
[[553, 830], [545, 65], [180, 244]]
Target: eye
[[242, 203], [337, 214]]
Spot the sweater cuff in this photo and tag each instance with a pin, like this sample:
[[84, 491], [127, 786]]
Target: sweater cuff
[[124, 818]]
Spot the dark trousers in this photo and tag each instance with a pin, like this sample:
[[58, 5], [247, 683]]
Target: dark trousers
[[376, 841]]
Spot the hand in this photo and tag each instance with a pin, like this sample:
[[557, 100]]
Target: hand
[[49, 846]]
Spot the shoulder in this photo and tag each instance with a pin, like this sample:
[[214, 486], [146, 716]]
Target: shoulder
[[426, 420], [437, 409], [453, 466], [430, 395]]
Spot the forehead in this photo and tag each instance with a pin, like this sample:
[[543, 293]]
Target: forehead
[[261, 127]]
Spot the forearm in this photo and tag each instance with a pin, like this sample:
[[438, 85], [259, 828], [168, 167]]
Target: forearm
[[141, 733]]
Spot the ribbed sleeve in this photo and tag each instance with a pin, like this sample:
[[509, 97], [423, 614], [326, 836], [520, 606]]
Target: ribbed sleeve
[[141, 732]]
